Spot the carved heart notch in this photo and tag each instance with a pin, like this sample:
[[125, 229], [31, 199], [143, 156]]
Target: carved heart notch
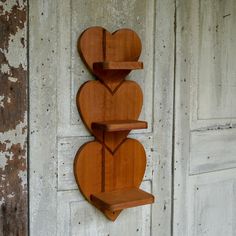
[[96, 44]]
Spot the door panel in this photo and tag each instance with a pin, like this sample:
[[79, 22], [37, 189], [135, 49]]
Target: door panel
[[77, 217], [138, 15], [212, 204], [212, 150], [205, 134], [56, 205]]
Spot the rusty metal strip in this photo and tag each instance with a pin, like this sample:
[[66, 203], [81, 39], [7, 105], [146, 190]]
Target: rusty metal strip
[[13, 117]]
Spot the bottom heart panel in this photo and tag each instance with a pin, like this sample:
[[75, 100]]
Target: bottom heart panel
[[98, 170]]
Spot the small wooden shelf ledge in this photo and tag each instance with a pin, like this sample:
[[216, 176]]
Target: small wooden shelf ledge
[[121, 199], [118, 65], [119, 125]]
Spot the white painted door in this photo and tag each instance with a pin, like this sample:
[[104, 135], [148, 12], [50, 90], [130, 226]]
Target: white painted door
[[205, 131], [56, 130]]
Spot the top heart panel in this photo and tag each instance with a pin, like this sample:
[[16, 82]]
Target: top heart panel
[[110, 57]]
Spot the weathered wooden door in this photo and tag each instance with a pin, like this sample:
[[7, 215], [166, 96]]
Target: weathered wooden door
[[56, 131], [205, 134]]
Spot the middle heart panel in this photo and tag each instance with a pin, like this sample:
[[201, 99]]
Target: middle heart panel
[[96, 103]]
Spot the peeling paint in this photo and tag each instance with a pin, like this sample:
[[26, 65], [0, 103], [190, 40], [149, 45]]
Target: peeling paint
[[12, 23], [1, 101], [15, 89], [12, 79], [5, 69], [13, 118]]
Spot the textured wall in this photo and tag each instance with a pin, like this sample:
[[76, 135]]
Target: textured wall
[[13, 118]]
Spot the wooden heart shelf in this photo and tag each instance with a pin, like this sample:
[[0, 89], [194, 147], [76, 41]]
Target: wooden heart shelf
[[110, 169]]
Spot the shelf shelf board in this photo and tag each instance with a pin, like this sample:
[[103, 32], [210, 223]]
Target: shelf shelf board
[[122, 199], [119, 125], [118, 65]]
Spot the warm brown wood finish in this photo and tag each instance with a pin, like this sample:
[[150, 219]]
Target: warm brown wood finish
[[119, 125], [113, 65], [97, 104], [122, 198], [98, 45], [110, 169], [123, 169]]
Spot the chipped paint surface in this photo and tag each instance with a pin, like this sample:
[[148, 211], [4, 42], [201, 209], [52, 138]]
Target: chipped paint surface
[[13, 118]]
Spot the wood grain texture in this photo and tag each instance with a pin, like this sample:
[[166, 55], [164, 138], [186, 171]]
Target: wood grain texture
[[122, 199], [123, 169], [13, 118], [68, 147], [96, 44], [97, 104]]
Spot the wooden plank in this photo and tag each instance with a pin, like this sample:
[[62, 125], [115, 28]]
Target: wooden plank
[[184, 23], [13, 118], [163, 116], [114, 65], [122, 199], [119, 125], [43, 117]]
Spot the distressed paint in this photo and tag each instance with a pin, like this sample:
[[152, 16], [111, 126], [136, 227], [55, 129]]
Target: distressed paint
[[213, 44], [205, 134], [212, 199], [212, 150], [163, 116], [43, 117], [86, 220], [13, 118]]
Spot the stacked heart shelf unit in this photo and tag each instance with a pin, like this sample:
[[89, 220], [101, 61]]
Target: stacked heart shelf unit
[[110, 169]]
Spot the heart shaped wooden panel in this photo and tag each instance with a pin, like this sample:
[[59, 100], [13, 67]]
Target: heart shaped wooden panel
[[96, 103], [110, 169], [123, 169], [96, 44]]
